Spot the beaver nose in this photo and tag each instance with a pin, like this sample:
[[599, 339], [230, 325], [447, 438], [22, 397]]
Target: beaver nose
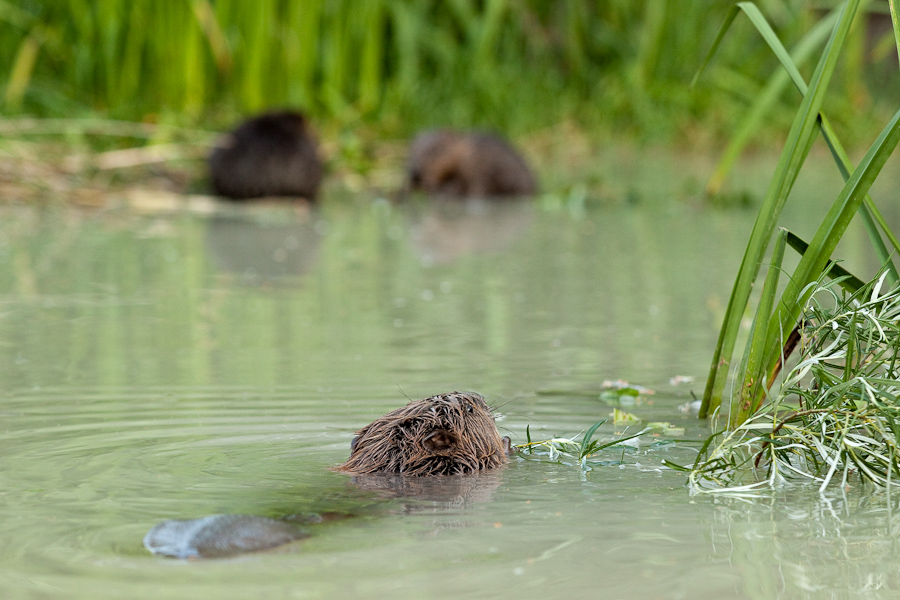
[[440, 441]]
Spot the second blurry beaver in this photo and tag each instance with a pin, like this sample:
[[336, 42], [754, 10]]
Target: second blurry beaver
[[475, 164], [274, 154]]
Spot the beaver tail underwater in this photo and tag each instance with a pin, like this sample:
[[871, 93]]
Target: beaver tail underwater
[[476, 164], [446, 434], [274, 154]]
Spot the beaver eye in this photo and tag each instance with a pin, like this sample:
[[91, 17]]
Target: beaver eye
[[468, 408]]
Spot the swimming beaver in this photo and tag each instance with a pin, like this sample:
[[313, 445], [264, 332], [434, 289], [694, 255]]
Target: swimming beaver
[[447, 434], [274, 154], [476, 164]]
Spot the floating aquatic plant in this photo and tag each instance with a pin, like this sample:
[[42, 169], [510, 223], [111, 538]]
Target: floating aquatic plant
[[835, 418], [582, 451]]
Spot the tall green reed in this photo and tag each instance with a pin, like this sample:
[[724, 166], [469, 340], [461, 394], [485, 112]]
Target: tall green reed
[[776, 319]]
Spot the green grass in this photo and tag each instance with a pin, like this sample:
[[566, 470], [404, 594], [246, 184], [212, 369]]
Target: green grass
[[516, 66]]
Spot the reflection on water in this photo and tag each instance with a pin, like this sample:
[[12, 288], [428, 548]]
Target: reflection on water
[[803, 544], [220, 536], [226, 535], [259, 253], [172, 368], [450, 492], [444, 230]]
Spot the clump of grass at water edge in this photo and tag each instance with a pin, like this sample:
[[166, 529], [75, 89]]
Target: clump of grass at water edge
[[836, 415]]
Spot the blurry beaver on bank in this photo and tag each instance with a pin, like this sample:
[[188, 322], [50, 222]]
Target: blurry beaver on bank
[[447, 434], [274, 154], [476, 164]]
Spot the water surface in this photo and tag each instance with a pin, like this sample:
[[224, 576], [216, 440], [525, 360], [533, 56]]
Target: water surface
[[157, 367]]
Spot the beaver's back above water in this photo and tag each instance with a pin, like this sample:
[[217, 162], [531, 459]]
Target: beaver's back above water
[[274, 154]]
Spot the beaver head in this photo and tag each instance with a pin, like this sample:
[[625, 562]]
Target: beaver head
[[442, 435]]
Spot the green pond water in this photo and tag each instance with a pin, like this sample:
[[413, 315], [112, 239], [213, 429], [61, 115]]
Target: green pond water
[[177, 366]]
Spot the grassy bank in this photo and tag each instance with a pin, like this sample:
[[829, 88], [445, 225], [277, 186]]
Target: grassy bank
[[519, 66], [567, 80]]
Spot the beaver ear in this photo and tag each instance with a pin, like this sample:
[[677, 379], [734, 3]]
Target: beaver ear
[[353, 444], [440, 441]]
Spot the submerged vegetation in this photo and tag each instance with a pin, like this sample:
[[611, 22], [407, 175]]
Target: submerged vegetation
[[846, 416]]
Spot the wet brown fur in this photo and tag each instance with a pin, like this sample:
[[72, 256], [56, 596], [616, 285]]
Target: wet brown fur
[[274, 154], [476, 164], [445, 434]]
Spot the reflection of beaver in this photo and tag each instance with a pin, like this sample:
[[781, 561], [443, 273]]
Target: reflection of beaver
[[441, 492], [448, 434], [262, 253], [270, 155], [476, 164], [445, 229]]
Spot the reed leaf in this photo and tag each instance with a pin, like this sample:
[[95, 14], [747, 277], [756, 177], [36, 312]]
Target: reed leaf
[[871, 216], [730, 16], [848, 281], [746, 401], [895, 21], [22, 68], [370, 74], [797, 147], [765, 101], [16, 16], [869, 213], [215, 37], [815, 259]]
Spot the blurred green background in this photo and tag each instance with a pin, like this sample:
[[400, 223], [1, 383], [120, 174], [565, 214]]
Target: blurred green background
[[519, 66]]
